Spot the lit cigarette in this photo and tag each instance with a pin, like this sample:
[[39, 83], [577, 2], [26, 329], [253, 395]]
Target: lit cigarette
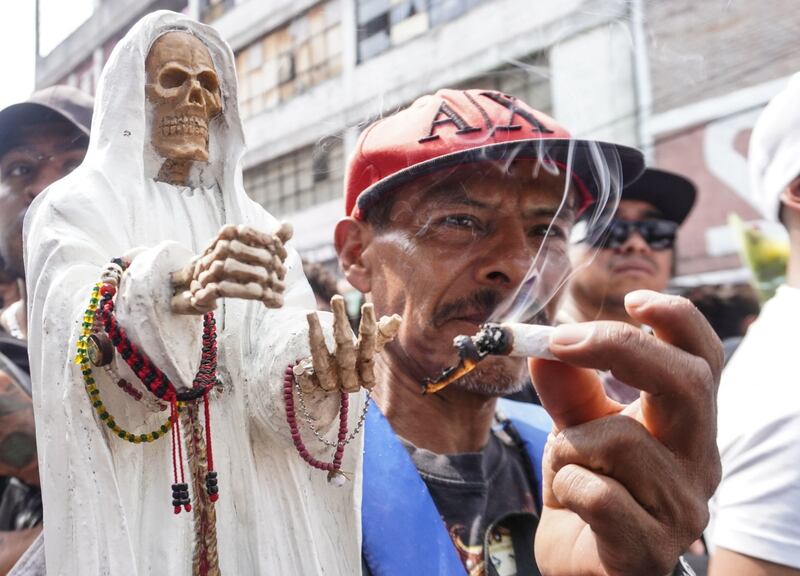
[[507, 339]]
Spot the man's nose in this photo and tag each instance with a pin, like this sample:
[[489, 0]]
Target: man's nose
[[505, 259], [634, 244]]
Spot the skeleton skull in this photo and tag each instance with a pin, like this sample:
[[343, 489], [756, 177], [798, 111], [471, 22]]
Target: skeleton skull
[[183, 89]]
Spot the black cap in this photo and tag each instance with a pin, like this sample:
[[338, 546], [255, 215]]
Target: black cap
[[54, 103], [671, 194]]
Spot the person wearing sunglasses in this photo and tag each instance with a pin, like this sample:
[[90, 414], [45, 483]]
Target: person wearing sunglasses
[[636, 251]]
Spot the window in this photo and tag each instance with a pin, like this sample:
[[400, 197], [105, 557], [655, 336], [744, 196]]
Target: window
[[300, 179], [210, 10], [291, 59], [527, 79], [383, 24]]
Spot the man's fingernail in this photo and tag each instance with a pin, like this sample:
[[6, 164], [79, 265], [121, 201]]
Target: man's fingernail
[[638, 298], [570, 334]]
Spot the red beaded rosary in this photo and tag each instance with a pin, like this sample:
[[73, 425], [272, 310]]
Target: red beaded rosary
[[335, 474], [160, 385]]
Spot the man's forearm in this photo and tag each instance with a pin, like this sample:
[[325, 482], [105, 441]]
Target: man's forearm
[[725, 562], [17, 433], [14, 544]]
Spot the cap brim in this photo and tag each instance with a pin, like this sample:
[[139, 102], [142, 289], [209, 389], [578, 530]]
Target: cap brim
[[16, 115], [672, 194], [581, 156]]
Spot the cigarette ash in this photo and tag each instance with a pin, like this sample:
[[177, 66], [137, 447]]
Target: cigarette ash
[[491, 339]]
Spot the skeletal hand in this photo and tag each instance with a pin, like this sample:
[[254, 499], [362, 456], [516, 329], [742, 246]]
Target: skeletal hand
[[351, 365], [241, 262]]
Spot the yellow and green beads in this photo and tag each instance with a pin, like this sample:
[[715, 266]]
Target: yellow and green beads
[[82, 359]]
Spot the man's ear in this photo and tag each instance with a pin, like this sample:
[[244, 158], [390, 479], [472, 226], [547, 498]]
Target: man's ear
[[351, 238], [791, 195]]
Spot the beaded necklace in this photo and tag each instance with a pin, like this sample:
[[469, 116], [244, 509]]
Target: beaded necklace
[[90, 384], [333, 468], [94, 348]]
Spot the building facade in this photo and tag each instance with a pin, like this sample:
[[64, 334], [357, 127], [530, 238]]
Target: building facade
[[312, 73]]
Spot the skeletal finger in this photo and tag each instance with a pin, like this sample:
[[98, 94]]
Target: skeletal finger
[[345, 349], [246, 291], [205, 297], [272, 281], [367, 336], [305, 376], [182, 277], [233, 270], [216, 252], [388, 327], [240, 251], [253, 237], [272, 299], [280, 251], [284, 232], [257, 239], [181, 303], [320, 357], [278, 267], [212, 273], [227, 232]]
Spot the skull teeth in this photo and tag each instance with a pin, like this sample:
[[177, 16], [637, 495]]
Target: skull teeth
[[181, 125]]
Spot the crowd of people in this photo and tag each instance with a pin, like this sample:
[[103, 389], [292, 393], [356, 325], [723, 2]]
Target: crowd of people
[[629, 450]]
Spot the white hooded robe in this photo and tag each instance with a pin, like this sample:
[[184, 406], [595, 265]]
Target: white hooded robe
[[107, 502]]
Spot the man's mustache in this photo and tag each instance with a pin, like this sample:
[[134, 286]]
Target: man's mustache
[[481, 303]]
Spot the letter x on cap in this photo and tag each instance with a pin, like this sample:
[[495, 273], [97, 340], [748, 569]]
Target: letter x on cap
[[457, 127]]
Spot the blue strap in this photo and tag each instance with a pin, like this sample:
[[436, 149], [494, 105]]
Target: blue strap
[[403, 532]]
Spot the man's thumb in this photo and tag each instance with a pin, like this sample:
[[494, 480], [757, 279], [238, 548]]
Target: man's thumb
[[570, 395]]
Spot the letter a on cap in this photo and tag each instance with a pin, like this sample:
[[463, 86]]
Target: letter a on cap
[[451, 117]]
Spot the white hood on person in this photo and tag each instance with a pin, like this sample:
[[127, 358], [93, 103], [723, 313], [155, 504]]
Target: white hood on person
[[774, 156], [107, 502]]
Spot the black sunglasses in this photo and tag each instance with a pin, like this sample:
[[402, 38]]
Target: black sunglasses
[[659, 234]]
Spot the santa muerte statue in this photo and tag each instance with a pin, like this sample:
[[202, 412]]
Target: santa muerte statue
[[190, 418]]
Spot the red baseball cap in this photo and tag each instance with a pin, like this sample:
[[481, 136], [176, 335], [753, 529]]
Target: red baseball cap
[[455, 127]]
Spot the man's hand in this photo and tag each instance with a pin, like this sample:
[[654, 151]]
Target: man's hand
[[241, 262], [351, 365], [626, 489]]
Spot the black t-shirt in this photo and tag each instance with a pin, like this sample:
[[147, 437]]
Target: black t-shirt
[[486, 499]]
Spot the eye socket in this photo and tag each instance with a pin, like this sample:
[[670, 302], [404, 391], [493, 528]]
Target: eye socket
[[548, 231], [172, 78], [19, 170], [461, 222], [208, 80]]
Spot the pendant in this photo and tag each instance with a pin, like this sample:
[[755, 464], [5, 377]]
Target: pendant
[[99, 349], [337, 478]]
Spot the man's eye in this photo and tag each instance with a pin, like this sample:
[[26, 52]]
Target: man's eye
[[462, 221], [19, 170], [547, 231]]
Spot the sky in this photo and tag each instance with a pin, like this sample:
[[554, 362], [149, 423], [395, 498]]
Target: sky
[[18, 39]]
